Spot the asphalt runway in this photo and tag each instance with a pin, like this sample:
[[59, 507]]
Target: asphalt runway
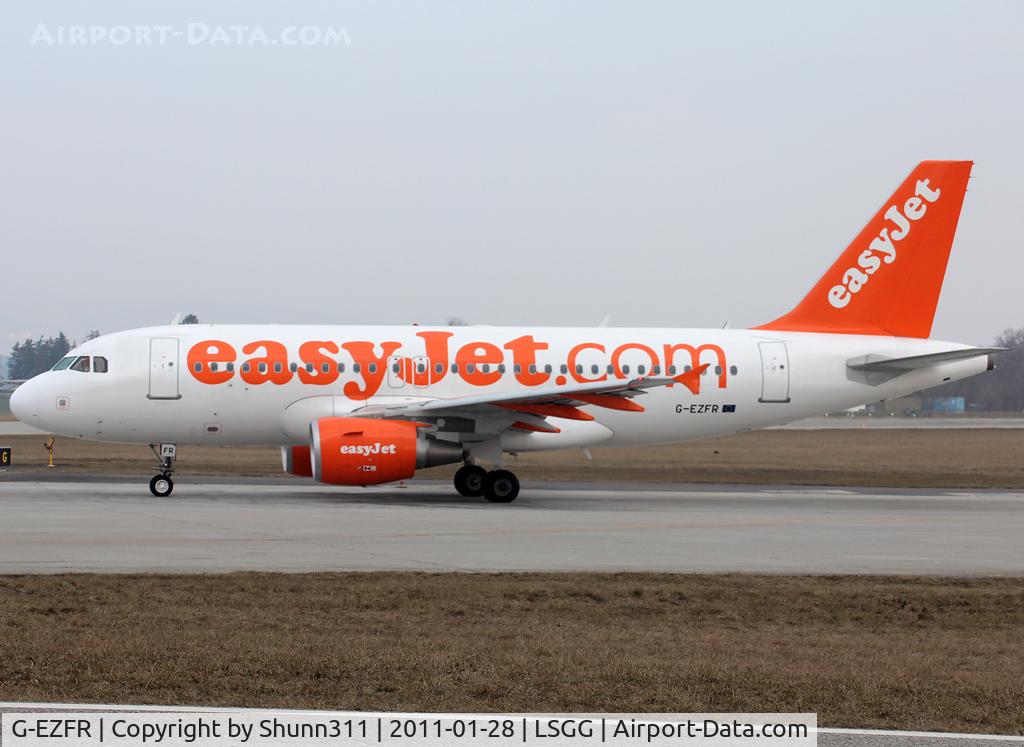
[[17, 428], [288, 525], [842, 422]]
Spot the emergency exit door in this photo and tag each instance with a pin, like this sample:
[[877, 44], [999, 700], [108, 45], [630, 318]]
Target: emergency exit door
[[397, 373], [163, 368], [774, 372]]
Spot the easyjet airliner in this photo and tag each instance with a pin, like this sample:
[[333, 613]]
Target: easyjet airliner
[[369, 405]]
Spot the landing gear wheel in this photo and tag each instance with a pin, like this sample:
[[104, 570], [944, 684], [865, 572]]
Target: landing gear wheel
[[501, 486], [161, 486], [469, 480]]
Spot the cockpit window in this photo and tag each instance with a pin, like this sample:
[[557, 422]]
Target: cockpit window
[[63, 363], [99, 364], [82, 364]]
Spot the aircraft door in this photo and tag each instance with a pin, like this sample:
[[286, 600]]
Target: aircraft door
[[396, 372], [774, 372], [163, 368]]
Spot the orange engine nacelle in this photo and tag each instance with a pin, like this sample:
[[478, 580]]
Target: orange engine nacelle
[[356, 451], [297, 460]]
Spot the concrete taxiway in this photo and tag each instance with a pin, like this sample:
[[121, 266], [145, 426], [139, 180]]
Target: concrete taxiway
[[841, 422], [290, 525], [17, 428]]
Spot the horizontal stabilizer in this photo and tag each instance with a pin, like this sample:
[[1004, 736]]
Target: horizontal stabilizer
[[877, 369], [876, 363]]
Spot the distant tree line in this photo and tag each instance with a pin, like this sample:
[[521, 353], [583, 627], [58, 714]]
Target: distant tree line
[[32, 357], [1001, 390]]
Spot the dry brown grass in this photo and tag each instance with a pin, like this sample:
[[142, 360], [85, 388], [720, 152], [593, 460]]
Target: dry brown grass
[[903, 653], [922, 458]]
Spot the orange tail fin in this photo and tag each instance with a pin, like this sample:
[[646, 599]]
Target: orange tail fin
[[888, 280]]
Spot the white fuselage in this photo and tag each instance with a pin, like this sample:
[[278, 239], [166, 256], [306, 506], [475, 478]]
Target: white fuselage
[[265, 384]]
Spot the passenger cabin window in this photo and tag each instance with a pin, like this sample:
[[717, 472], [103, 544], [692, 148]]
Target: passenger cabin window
[[99, 364], [82, 364], [64, 363], [733, 370]]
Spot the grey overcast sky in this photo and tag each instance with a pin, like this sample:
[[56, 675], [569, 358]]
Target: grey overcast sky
[[667, 163]]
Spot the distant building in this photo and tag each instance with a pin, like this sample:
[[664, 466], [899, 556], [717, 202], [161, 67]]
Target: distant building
[[912, 405], [947, 405]]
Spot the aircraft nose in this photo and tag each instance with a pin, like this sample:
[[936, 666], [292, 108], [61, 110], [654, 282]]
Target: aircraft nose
[[21, 402], [14, 404]]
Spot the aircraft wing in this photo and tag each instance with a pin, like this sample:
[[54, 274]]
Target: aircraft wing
[[559, 401], [9, 385]]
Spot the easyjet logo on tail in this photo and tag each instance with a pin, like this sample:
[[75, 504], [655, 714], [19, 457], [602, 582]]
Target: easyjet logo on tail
[[882, 248]]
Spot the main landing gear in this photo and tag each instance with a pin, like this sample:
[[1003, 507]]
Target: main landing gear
[[497, 486], [161, 485]]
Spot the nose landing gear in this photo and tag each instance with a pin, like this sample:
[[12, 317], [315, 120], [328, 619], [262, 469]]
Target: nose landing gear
[[499, 486], [162, 485]]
